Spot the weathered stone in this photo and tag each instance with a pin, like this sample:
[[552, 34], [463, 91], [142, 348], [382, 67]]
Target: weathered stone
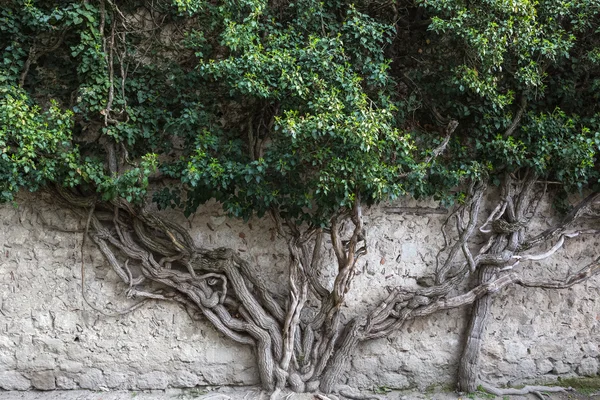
[[43, 380], [41, 319], [13, 380], [7, 360], [116, 380], [392, 380], [188, 352], [409, 252], [66, 322], [91, 379], [71, 366], [526, 368], [215, 374], [515, 352], [185, 379], [561, 368], [65, 383], [590, 349], [494, 350], [366, 365], [588, 367], [244, 375], [358, 380], [573, 353], [544, 366], [506, 368], [153, 380]]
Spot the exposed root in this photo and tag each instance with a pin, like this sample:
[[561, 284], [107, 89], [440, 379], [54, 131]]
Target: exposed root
[[360, 396], [158, 259], [275, 394], [218, 396], [321, 396], [535, 390]]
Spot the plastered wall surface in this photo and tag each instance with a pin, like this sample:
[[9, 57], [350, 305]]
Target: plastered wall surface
[[50, 338]]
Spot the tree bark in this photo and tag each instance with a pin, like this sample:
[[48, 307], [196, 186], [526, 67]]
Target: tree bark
[[306, 348], [467, 370]]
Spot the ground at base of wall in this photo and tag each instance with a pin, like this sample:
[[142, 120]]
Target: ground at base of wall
[[248, 393]]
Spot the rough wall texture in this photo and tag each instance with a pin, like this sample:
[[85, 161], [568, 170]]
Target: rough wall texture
[[49, 337]]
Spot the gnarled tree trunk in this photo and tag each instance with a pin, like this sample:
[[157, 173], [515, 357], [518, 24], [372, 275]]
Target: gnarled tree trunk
[[308, 350], [508, 241]]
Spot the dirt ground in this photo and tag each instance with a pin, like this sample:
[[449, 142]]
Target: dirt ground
[[246, 393]]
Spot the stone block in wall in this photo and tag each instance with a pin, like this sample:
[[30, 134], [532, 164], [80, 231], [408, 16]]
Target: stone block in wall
[[225, 355], [35, 360], [243, 374], [358, 380], [526, 368], [153, 380], [590, 349], [13, 380], [117, 380], [505, 368], [393, 364], [494, 350], [52, 345], [66, 322], [561, 368], [588, 367], [71, 366], [77, 352], [43, 380], [393, 380], [188, 352], [91, 379], [215, 374], [7, 358], [573, 353], [42, 319], [366, 365], [527, 331], [514, 352], [544, 366], [185, 379], [65, 383]]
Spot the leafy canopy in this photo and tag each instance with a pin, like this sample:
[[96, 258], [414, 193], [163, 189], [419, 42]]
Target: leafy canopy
[[295, 107]]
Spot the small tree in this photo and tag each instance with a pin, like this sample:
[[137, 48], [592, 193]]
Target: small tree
[[517, 76], [292, 110]]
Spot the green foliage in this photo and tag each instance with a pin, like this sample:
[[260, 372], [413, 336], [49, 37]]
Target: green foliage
[[297, 107], [331, 134], [518, 74], [509, 45], [35, 146]]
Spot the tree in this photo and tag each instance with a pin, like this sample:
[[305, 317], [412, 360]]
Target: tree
[[518, 78], [305, 112]]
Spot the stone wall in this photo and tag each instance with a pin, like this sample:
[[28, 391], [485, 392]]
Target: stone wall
[[50, 338]]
